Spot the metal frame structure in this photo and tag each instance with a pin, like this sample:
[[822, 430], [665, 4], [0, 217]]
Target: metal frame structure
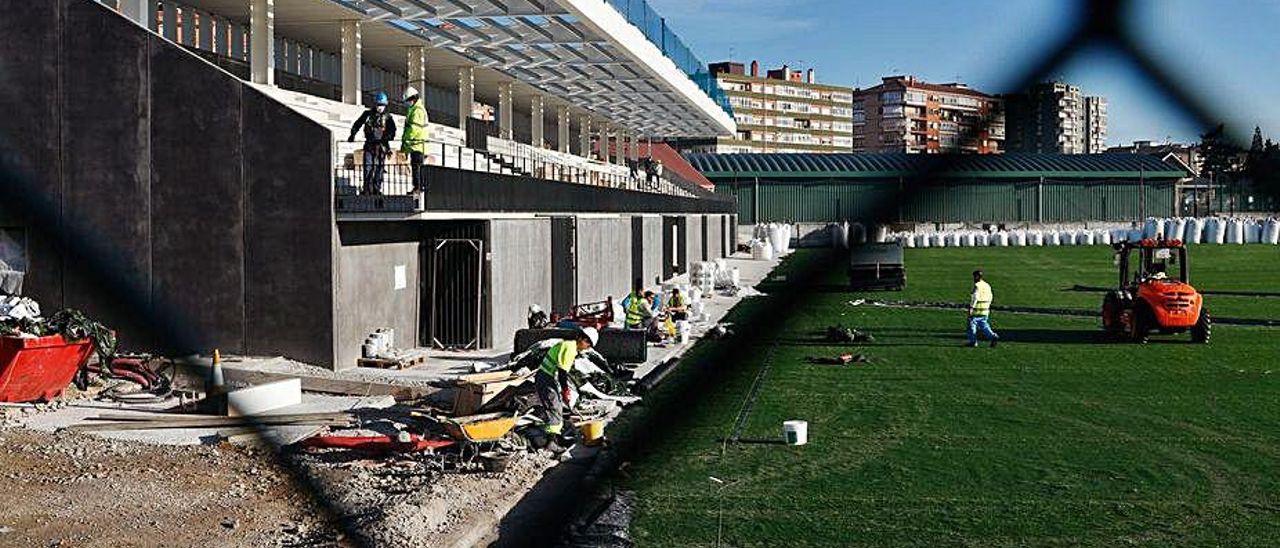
[[546, 44]]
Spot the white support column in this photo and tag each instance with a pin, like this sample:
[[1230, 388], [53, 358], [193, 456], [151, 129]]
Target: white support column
[[466, 95], [633, 152], [506, 111], [351, 62], [536, 117], [562, 128], [138, 11], [262, 40], [584, 133], [618, 150], [416, 63]]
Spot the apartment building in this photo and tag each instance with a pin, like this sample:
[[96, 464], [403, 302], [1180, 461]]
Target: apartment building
[[1056, 117], [784, 110], [904, 114]]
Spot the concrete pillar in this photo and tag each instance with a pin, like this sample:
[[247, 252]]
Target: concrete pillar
[[466, 94], [262, 40], [536, 118], [141, 11], [506, 112], [351, 62], [237, 42], [618, 149], [562, 127], [584, 130], [206, 31], [416, 62], [634, 151]]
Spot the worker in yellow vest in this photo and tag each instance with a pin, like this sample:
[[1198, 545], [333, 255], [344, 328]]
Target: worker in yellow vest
[[639, 308], [552, 379], [980, 311], [414, 140]]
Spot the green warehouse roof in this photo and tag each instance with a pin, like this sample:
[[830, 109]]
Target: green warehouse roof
[[1021, 166]]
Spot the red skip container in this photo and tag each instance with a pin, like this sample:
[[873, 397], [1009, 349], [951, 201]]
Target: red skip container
[[39, 369]]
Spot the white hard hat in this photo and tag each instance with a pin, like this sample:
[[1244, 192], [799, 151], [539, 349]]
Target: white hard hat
[[591, 334], [410, 92]]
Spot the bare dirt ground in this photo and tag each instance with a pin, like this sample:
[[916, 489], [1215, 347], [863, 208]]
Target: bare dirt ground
[[65, 490], [79, 490]]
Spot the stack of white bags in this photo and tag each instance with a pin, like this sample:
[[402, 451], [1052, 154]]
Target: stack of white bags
[[1190, 230]]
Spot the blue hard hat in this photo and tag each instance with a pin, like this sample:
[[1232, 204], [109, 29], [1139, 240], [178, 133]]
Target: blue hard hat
[[380, 98]]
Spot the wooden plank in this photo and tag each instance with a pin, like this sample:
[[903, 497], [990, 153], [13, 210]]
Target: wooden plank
[[194, 377]]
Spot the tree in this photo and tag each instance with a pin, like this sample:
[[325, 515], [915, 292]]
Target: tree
[[1218, 154], [1256, 147], [1263, 171]]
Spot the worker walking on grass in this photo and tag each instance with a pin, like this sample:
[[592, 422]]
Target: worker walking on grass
[[414, 141], [379, 130], [552, 380], [980, 311]]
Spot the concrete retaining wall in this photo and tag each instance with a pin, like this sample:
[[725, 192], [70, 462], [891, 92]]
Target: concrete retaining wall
[[169, 176], [377, 285], [604, 268], [695, 239], [519, 273], [646, 246], [715, 236]]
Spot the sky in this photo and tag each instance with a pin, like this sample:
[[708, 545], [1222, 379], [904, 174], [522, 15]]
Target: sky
[[1226, 53]]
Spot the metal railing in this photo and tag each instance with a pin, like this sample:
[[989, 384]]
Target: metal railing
[[394, 176], [655, 29]]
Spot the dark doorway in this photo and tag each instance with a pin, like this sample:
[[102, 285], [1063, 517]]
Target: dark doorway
[[564, 263], [457, 268]]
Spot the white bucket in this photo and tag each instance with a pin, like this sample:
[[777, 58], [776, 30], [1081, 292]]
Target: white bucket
[[795, 432]]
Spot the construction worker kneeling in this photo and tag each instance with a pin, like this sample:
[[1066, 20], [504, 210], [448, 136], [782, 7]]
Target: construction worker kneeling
[[552, 379]]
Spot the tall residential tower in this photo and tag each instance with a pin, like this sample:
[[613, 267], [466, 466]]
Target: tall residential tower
[[1055, 117]]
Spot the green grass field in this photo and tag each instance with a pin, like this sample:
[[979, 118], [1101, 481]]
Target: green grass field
[[1053, 438]]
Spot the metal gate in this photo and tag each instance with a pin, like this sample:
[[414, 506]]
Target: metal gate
[[457, 274]]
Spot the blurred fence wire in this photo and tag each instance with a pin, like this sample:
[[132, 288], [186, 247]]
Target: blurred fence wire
[[1107, 24]]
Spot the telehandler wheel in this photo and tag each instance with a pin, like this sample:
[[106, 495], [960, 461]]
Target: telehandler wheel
[[1203, 329]]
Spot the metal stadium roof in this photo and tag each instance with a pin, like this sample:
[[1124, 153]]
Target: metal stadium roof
[[950, 166], [559, 47]]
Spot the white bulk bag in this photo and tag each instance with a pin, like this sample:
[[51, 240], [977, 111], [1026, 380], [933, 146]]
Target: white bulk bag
[[1152, 227], [1000, 239], [1194, 231], [1035, 238], [969, 239], [1102, 237], [1271, 234], [1235, 231], [1084, 237], [938, 239], [1252, 232], [761, 250], [923, 240], [1052, 238], [839, 235], [982, 239], [907, 240], [857, 233], [953, 239], [1067, 237], [1178, 230], [882, 234]]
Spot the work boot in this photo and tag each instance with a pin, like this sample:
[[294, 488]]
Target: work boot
[[994, 341], [972, 344]]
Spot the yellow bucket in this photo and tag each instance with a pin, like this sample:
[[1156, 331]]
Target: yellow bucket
[[592, 432]]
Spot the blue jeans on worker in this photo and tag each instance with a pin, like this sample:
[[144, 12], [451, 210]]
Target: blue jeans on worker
[[983, 324]]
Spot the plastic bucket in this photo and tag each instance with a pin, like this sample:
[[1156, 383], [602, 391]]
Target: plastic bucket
[[592, 431], [795, 432]]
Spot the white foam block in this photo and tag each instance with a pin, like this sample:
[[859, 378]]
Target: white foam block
[[264, 397]]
